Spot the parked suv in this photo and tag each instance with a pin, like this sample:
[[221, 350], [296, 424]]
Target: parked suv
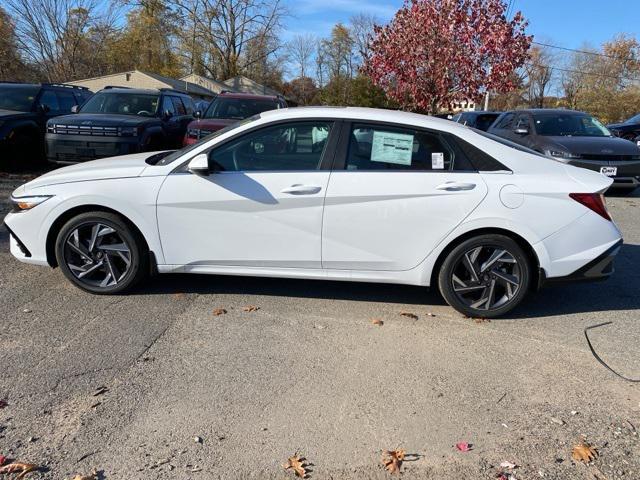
[[24, 111], [575, 138], [629, 129], [119, 121], [481, 120], [227, 108]]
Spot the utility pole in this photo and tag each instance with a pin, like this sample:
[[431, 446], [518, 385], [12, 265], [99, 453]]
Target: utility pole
[[486, 101]]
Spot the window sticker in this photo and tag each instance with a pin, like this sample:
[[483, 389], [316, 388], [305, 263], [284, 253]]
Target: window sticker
[[437, 161], [389, 147]]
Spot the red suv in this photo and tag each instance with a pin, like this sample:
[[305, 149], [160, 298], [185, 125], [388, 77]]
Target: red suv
[[228, 108]]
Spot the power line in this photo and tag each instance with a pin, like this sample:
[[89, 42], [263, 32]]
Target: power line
[[585, 52], [568, 70]]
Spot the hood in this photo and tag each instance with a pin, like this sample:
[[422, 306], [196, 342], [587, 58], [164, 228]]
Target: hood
[[103, 120], [212, 124], [8, 114], [106, 168], [594, 145]]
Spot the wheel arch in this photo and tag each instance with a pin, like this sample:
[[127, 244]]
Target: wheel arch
[[63, 218], [521, 241]]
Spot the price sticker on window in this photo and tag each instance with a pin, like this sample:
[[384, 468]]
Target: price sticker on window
[[437, 161]]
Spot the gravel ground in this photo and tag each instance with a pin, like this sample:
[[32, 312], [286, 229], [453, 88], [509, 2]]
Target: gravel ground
[[309, 373]]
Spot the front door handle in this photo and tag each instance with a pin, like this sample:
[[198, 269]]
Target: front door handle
[[456, 186], [299, 189]]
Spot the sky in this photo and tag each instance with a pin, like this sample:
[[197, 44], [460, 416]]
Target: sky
[[566, 23]]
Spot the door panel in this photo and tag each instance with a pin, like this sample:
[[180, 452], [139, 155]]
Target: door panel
[[393, 220], [243, 218]]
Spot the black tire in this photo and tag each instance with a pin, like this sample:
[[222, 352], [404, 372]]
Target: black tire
[[121, 255], [464, 283]]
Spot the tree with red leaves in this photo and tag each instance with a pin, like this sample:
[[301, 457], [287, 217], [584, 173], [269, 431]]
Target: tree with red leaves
[[437, 52]]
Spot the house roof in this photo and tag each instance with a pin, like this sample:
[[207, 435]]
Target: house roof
[[206, 82], [243, 84]]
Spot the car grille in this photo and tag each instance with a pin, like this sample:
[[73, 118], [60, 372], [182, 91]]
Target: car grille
[[609, 158], [83, 130]]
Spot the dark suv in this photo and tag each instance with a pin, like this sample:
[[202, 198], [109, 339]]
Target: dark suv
[[481, 120], [575, 138], [629, 129], [118, 121], [227, 108], [24, 111]]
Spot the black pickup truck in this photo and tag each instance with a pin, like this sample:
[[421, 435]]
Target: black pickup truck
[[119, 121], [25, 109]]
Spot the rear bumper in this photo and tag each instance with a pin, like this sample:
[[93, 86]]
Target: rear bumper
[[68, 149], [600, 268], [628, 174]]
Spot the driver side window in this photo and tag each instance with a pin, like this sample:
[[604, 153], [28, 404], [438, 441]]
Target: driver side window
[[286, 147]]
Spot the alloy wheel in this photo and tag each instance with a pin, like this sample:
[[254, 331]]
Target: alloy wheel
[[97, 255], [486, 277]]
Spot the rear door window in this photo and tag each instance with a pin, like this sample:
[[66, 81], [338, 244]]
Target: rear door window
[[373, 147], [179, 106]]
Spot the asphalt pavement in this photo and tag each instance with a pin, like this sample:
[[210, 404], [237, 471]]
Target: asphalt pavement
[[154, 385]]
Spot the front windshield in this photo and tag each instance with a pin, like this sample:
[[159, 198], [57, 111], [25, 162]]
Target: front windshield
[[122, 103], [238, 108], [165, 158], [18, 97], [568, 125], [634, 119], [507, 143]]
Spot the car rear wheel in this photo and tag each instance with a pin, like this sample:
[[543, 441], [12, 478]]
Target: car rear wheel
[[485, 276], [100, 253]]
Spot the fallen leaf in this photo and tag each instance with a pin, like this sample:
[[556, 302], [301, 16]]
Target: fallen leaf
[[409, 315], [91, 476], [482, 320], [298, 465], [219, 311], [583, 452], [377, 321], [557, 421], [508, 465], [197, 439], [100, 390], [429, 314], [392, 460], [3, 404], [2, 460], [463, 446], [18, 467], [250, 308]]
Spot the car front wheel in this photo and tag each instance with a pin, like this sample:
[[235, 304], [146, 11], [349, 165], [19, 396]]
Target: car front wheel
[[485, 276], [100, 253]]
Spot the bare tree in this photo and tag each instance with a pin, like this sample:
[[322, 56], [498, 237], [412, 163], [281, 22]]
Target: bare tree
[[538, 75], [227, 28], [52, 34], [362, 26], [300, 50]]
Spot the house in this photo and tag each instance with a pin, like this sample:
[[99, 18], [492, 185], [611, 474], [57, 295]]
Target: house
[[139, 79]]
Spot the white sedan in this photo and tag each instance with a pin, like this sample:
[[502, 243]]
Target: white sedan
[[326, 193]]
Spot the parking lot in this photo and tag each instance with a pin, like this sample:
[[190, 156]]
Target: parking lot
[[155, 385]]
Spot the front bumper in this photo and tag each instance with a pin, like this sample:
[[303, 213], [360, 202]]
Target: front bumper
[[628, 174], [600, 268], [68, 149]]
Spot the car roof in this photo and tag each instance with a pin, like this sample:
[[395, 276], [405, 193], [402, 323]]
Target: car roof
[[156, 91], [547, 110], [248, 96], [362, 114]]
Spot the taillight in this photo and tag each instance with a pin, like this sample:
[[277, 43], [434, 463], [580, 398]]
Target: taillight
[[593, 201]]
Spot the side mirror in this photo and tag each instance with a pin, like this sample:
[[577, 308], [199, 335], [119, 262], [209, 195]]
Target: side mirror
[[43, 108], [197, 114], [75, 109], [167, 114], [521, 131], [199, 165]]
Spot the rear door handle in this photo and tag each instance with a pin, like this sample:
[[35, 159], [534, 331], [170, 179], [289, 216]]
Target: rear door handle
[[456, 186], [299, 189]]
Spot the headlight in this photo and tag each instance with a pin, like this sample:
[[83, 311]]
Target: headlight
[[558, 154], [20, 204], [130, 131]]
